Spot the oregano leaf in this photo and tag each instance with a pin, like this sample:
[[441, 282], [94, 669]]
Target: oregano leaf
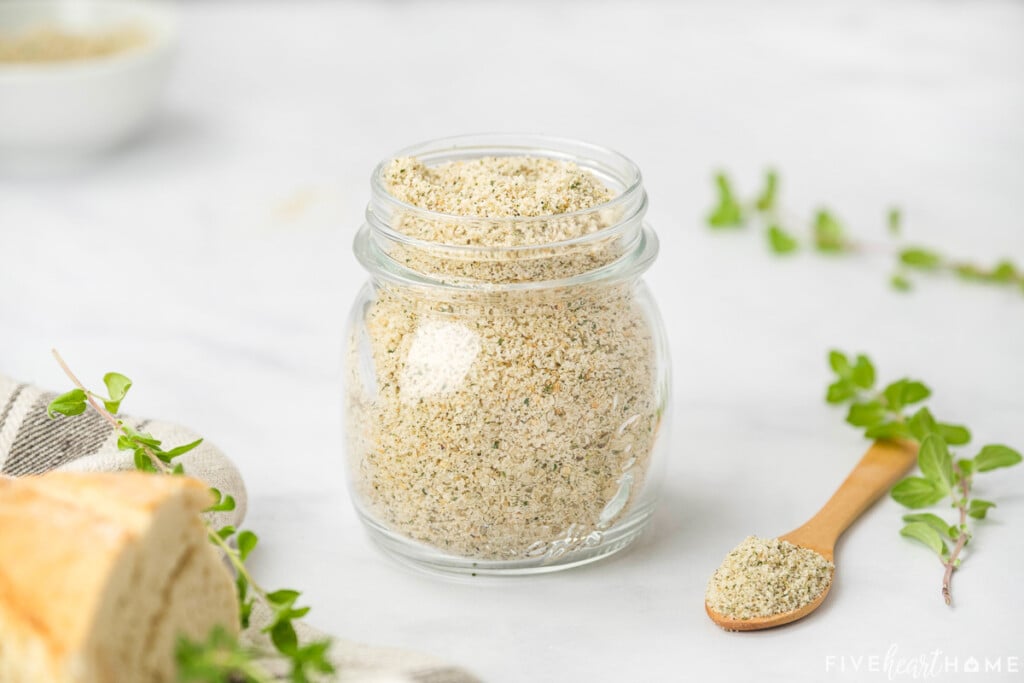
[[931, 519], [780, 241], [994, 456], [979, 508], [866, 414], [117, 388], [925, 534], [246, 541], [935, 462], [888, 430], [954, 435], [282, 634], [766, 200], [69, 404], [863, 373], [917, 492], [917, 257], [840, 364], [728, 213]]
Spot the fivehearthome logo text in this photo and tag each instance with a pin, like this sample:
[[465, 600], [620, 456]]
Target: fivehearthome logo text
[[896, 665]]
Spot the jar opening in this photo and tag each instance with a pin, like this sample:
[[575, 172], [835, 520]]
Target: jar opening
[[416, 242]]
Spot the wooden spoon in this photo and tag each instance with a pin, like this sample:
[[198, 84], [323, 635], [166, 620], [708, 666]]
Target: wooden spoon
[[881, 467]]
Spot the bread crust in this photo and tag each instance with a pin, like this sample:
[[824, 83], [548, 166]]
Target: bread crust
[[77, 552]]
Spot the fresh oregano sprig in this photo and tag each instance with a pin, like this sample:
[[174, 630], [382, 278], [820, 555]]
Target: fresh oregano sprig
[[828, 235], [221, 657], [889, 413]]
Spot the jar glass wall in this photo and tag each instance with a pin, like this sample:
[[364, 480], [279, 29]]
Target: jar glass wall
[[505, 400]]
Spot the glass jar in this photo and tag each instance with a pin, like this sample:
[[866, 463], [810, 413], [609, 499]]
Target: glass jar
[[505, 403]]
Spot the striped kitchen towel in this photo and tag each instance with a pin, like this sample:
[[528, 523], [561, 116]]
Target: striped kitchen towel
[[32, 443]]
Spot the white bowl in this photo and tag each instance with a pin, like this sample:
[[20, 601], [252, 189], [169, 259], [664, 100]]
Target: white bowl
[[59, 113]]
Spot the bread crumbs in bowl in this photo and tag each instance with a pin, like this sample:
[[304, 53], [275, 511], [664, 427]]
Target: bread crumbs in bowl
[[86, 75]]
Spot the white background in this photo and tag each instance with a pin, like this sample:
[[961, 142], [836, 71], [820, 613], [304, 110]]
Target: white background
[[211, 262]]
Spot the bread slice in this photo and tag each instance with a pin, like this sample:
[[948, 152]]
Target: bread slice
[[101, 573]]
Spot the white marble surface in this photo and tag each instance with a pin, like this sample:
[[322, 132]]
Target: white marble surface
[[210, 261]]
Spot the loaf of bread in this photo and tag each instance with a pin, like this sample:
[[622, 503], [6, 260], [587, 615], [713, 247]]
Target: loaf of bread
[[101, 573]]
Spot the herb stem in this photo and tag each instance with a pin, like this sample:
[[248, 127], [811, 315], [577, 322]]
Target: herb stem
[[88, 394], [961, 540], [237, 564], [117, 424]]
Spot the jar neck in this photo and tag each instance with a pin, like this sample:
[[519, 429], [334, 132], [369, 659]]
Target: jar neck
[[408, 244]]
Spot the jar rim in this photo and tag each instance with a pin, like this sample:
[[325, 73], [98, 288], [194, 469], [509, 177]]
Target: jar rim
[[642, 255], [591, 157]]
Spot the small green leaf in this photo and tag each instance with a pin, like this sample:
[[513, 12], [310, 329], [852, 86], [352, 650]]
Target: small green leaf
[[247, 541], [994, 456], [932, 520], [156, 451], [966, 467], [866, 414], [314, 656], [225, 504], [181, 450], [863, 374], [282, 634], [888, 430], [142, 438], [766, 200], [905, 392], [828, 233], [284, 597], [780, 241], [894, 219], [242, 586], [245, 612], [935, 462], [916, 492], [117, 388], [226, 532], [840, 364], [955, 435], [922, 424], [915, 392], [917, 257], [1004, 272], [920, 531], [900, 283], [979, 508], [142, 461], [840, 392], [69, 403], [893, 394], [728, 213]]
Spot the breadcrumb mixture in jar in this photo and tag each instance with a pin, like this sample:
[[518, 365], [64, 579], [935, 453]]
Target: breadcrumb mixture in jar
[[506, 371]]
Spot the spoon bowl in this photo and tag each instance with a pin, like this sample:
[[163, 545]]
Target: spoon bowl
[[881, 467]]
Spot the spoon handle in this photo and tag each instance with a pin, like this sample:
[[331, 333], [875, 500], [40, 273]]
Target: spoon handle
[[881, 467]]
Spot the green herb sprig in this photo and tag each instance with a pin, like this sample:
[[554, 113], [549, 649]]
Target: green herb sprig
[[221, 657], [888, 413], [827, 234]]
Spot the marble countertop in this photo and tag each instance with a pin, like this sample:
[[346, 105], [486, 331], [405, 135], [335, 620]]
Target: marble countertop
[[210, 260]]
